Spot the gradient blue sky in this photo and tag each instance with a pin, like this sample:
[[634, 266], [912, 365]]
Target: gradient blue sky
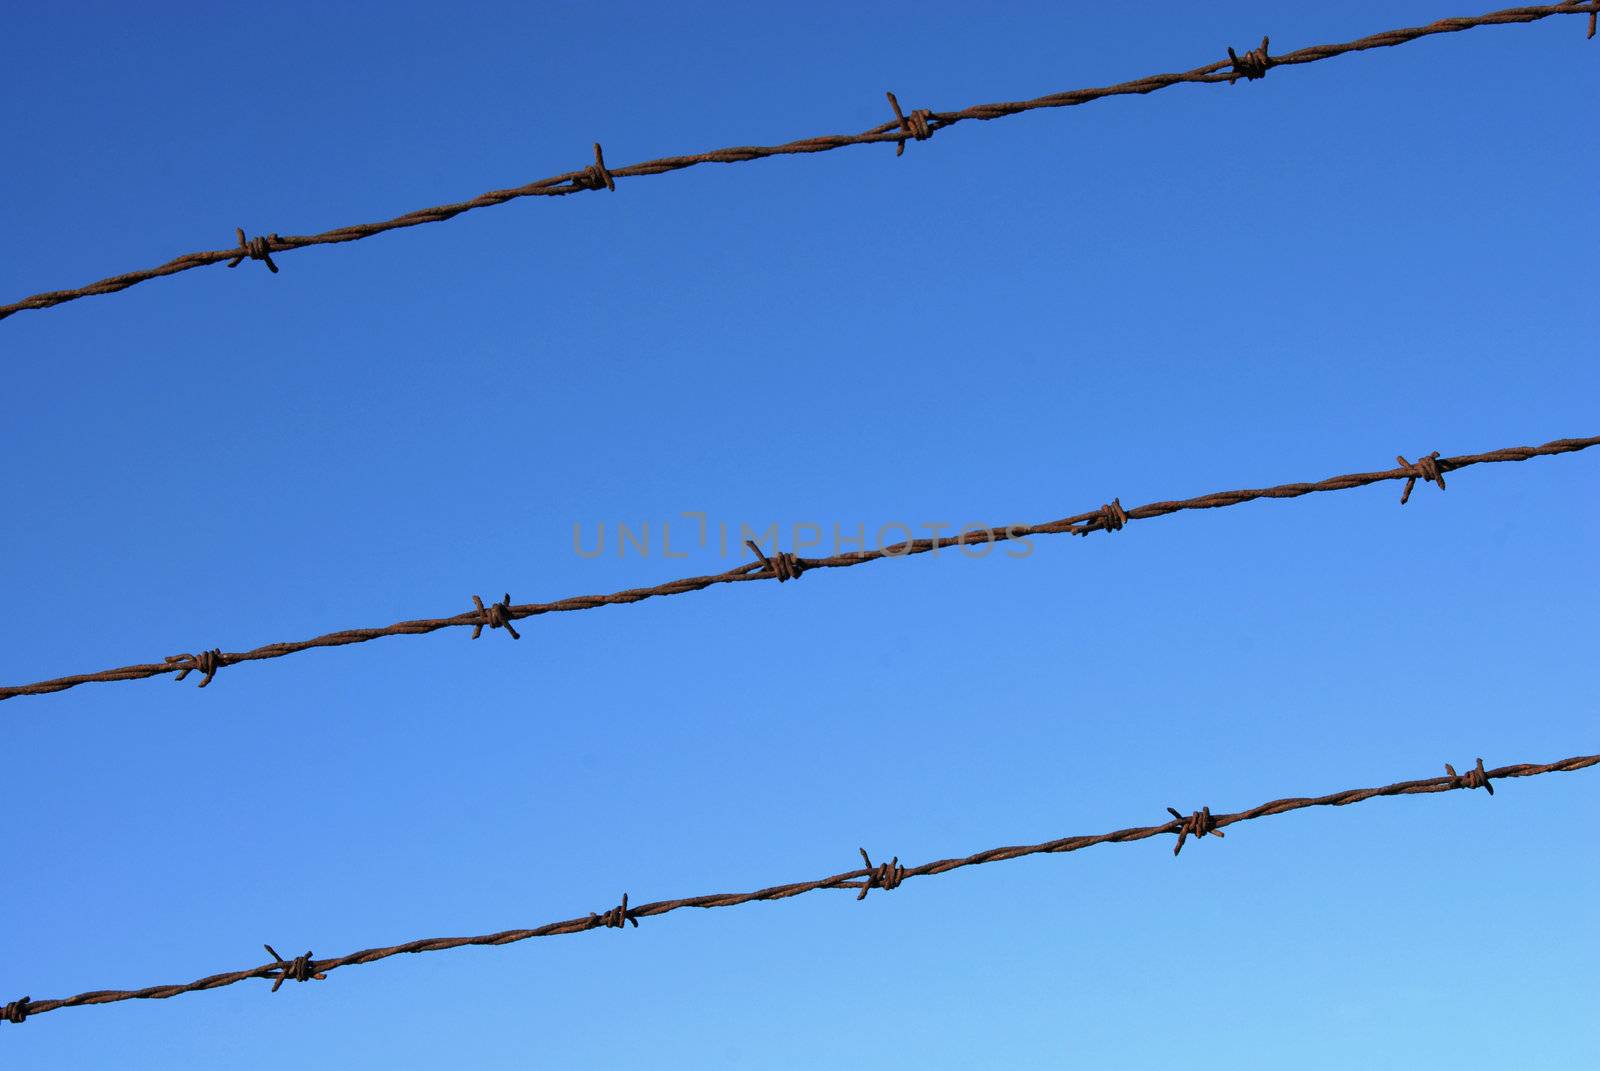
[[1149, 298]]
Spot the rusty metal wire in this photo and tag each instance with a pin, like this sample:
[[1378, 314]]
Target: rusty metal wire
[[919, 125], [884, 876], [784, 566]]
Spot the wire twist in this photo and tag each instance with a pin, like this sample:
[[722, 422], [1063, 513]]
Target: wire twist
[[914, 125], [884, 876], [1198, 824], [595, 175], [782, 564], [257, 248], [1109, 518], [1475, 778], [1426, 469], [495, 615], [1252, 65], [615, 917], [299, 969], [206, 662]]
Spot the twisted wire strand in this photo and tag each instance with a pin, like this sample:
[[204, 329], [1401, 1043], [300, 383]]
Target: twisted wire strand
[[1101, 519], [882, 876], [922, 123]]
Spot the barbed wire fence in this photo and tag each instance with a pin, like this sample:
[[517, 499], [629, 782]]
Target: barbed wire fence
[[785, 565], [883, 876], [919, 125], [782, 566]]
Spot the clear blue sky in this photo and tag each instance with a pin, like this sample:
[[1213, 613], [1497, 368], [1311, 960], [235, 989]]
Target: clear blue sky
[[1149, 298]]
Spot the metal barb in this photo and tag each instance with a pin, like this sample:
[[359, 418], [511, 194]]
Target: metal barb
[[495, 615], [1111, 518], [1252, 65], [15, 1011], [595, 175], [298, 969], [914, 125], [884, 876], [1198, 824], [206, 662], [616, 917], [257, 248], [1426, 469], [1475, 778], [782, 564]]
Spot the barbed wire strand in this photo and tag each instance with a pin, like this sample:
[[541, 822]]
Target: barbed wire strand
[[885, 876], [919, 125], [782, 566]]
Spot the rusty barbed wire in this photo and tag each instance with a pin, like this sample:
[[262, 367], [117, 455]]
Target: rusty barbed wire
[[784, 565], [883, 876], [919, 125], [495, 615], [1201, 824]]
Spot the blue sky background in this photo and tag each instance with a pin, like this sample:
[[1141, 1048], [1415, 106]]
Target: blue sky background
[[1148, 298]]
